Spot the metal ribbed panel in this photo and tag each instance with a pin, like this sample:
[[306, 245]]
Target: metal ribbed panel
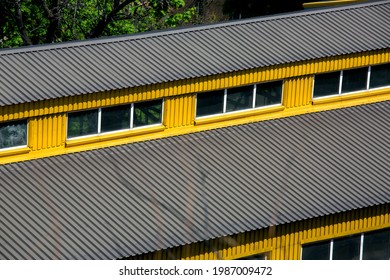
[[142, 197], [180, 111], [47, 132], [45, 72]]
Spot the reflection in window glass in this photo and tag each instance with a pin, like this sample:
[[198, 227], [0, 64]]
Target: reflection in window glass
[[115, 118], [13, 134], [354, 80], [239, 98], [316, 251], [269, 93], [346, 248], [147, 113], [380, 76], [376, 245], [326, 84], [82, 123], [209, 103]]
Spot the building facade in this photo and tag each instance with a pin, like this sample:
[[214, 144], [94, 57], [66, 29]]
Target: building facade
[[260, 138]]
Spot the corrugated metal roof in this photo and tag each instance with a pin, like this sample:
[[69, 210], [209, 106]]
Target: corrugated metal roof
[[126, 200], [45, 72]]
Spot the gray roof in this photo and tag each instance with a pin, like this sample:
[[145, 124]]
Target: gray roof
[[45, 72], [126, 200]]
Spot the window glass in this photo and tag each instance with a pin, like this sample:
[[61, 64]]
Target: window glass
[[13, 134], [269, 93], [316, 251], [209, 103], [376, 245], [82, 123], [380, 76], [354, 80], [346, 248], [115, 118], [147, 113], [239, 98], [326, 84]]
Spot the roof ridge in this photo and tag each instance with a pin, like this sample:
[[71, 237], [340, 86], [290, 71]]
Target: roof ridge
[[183, 30]]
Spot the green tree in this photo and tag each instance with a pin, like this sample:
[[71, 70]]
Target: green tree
[[29, 22], [250, 8]]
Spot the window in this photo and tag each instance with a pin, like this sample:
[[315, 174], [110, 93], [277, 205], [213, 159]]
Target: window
[[116, 118], [352, 80], [316, 251], [380, 76], [147, 113], [13, 134], [82, 123], [367, 246], [209, 103], [377, 245], [326, 84], [347, 248], [239, 98], [269, 94]]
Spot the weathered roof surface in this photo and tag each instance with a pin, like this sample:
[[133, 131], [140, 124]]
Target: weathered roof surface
[[45, 72], [126, 200]]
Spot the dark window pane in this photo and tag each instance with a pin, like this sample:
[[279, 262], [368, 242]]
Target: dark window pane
[[354, 80], [316, 251], [346, 248], [326, 84], [239, 98], [13, 134], [376, 245], [209, 103], [115, 118], [380, 76], [269, 94], [147, 113], [82, 123]]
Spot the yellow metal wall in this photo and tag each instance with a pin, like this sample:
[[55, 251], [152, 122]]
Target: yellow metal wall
[[47, 119], [284, 242]]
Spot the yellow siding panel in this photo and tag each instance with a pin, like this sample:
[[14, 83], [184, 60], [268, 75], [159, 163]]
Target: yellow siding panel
[[179, 111], [47, 132]]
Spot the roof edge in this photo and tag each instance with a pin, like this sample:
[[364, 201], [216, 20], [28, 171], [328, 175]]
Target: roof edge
[[183, 30]]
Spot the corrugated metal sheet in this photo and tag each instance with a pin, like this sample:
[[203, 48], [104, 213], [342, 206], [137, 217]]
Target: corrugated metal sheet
[[142, 197], [45, 72]]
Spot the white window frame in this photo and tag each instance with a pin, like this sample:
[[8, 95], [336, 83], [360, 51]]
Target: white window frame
[[27, 133], [332, 242], [224, 105], [131, 127], [339, 93]]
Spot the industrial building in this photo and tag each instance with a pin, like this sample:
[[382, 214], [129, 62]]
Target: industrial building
[[264, 138]]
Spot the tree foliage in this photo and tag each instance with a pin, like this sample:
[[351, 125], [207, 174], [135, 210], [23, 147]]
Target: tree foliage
[[29, 22], [249, 8]]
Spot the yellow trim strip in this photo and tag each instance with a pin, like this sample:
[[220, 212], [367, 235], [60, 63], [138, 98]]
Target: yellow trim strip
[[230, 116], [113, 136], [329, 3], [17, 151]]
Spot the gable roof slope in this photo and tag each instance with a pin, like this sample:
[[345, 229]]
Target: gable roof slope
[[74, 68], [131, 199]]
